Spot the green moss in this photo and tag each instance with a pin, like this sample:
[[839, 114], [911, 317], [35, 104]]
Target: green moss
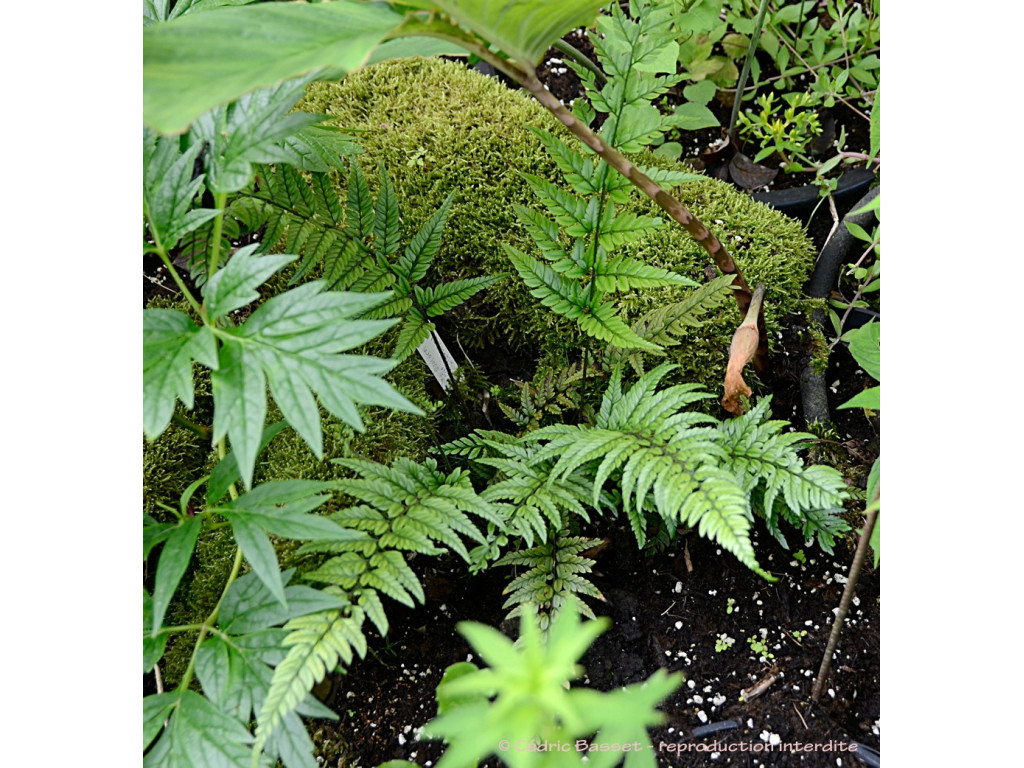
[[439, 127]]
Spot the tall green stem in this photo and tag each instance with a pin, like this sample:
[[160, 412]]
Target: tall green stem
[[741, 84], [219, 200]]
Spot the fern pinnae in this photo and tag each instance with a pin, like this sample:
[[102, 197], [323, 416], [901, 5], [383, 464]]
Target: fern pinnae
[[317, 642]]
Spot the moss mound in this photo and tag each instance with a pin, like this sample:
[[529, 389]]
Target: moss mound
[[438, 127]]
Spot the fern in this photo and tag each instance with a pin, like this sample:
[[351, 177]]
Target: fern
[[575, 281], [556, 577], [690, 469], [406, 508], [550, 392], [765, 459], [533, 502], [317, 642], [665, 324]]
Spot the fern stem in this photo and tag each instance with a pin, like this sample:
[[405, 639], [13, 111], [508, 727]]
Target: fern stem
[[219, 200], [844, 604]]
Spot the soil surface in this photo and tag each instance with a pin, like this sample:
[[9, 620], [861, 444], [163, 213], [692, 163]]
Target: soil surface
[[664, 616]]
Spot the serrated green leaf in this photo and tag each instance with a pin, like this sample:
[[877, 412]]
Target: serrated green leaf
[[281, 508], [319, 148], [249, 606], [170, 343], [199, 734], [226, 472], [523, 29], [155, 710], [201, 60], [387, 222], [415, 331], [293, 341], [174, 559], [292, 744], [259, 553], [169, 189], [420, 252], [152, 647], [252, 130], [234, 286], [439, 299]]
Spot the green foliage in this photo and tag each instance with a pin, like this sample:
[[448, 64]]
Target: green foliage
[[545, 398], [866, 348], [579, 274], [556, 577], [470, 130], [785, 131], [691, 469], [524, 693], [865, 274], [195, 62]]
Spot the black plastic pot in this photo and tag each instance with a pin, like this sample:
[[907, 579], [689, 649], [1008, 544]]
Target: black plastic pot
[[799, 202]]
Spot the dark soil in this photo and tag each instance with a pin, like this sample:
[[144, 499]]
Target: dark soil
[[664, 616]]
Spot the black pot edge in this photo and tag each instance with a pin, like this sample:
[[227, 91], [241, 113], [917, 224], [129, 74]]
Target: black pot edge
[[800, 201]]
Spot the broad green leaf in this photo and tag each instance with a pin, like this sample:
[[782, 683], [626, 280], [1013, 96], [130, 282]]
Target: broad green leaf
[[865, 346], [874, 477], [250, 130], [169, 189], [174, 559], [691, 116], [700, 93], [869, 398], [155, 709], [152, 647], [523, 29], [259, 552], [875, 129], [201, 60], [249, 606], [226, 472], [199, 734], [292, 341], [234, 286], [153, 533], [406, 47], [281, 508]]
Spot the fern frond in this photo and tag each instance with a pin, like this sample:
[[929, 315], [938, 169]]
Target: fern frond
[[556, 577], [316, 644], [418, 254], [439, 299], [387, 222], [569, 211], [359, 213], [625, 274], [619, 228], [761, 455], [577, 169], [543, 231], [415, 331]]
